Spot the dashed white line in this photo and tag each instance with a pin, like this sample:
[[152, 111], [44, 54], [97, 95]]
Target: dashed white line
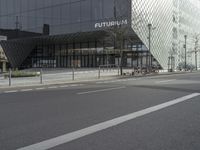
[[165, 81], [64, 86], [40, 88], [14, 91], [26, 90], [73, 85], [101, 90], [52, 87], [63, 139]]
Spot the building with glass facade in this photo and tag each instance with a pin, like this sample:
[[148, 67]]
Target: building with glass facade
[[89, 33], [3, 59]]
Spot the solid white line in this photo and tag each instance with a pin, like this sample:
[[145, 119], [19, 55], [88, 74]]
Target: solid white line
[[102, 90], [14, 91], [104, 125], [165, 81]]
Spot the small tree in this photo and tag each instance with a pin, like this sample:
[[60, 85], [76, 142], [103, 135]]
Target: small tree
[[118, 34]]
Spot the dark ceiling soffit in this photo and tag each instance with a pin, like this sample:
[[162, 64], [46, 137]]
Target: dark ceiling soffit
[[65, 38], [16, 51], [70, 38]]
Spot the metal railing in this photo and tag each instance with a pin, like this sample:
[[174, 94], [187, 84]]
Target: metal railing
[[72, 74], [108, 67]]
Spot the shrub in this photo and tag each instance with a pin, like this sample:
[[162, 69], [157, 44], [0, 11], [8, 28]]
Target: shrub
[[19, 74]]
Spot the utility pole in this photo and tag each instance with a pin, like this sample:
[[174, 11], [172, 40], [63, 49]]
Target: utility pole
[[196, 67], [149, 38], [121, 42], [196, 49], [185, 46]]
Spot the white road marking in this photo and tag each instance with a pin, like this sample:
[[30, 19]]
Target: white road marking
[[14, 91], [100, 82], [26, 90], [165, 81], [40, 88], [52, 87], [64, 86], [102, 90], [63, 139], [73, 85], [121, 80]]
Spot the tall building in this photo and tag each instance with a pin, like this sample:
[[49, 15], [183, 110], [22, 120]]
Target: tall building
[[3, 58], [89, 33], [186, 22]]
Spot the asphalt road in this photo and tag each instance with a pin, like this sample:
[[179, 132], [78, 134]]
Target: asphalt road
[[153, 113]]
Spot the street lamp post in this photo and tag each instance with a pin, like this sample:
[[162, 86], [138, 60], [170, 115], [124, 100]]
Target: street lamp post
[[117, 37], [196, 66], [185, 46], [149, 38], [150, 28], [195, 51]]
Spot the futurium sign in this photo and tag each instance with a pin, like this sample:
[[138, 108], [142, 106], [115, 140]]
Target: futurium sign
[[111, 23]]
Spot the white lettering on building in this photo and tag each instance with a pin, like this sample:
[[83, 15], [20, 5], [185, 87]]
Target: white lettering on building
[[111, 23]]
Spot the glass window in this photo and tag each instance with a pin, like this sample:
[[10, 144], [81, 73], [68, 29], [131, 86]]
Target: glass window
[[108, 8], [85, 10], [65, 14], [24, 5], [56, 15], [31, 19], [47, 16], [75, 12], [40, 18], [31, 4], [97, 9], [23, 19]]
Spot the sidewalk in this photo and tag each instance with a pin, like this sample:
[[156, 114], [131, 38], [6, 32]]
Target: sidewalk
[[65, 76], [51, 77]]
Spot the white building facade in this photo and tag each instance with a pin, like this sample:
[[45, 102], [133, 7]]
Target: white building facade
[[171, 20]]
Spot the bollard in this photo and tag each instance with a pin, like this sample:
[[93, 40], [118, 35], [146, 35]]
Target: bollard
[[99, 75], [41, 77], [10, 76], [73, 78]]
